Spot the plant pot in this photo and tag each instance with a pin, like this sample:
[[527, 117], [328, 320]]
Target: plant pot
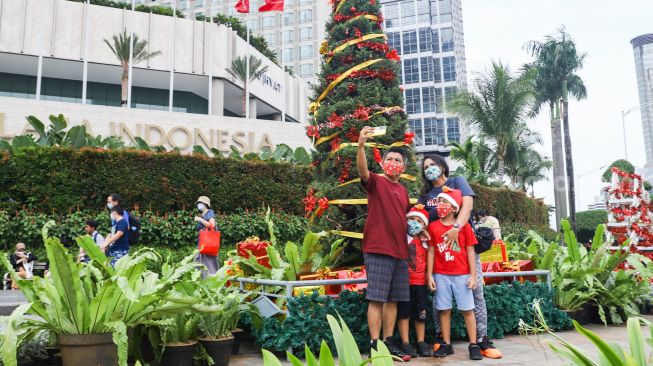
[[238, 336], [581, 316], [178, 354], [54, 356], [88, 349], [220, 350], [594, 317]]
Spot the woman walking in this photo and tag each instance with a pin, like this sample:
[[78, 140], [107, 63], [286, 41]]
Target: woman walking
[[206, 220]]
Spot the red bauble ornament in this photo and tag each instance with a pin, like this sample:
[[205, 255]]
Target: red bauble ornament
[[377, 155], [353, 9], [408, 138], [393, 56]]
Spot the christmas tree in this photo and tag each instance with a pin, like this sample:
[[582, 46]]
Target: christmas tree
[[359, 86]]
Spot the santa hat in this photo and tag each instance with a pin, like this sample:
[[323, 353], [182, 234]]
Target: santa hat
[[419, 211], [453, 196]]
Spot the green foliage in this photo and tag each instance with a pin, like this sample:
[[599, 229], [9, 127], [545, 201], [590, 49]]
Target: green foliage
[[510, 206], [281, 153], [586, 223], [478, 164], [121, 45], [60, 179], [621, 164], [159, 10]]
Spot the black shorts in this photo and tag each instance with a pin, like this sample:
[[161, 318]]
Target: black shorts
[[387, 278], [416, 307]]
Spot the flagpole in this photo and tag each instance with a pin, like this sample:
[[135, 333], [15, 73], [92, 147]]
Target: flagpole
[[247, 77], [171, 88], [131, 51], [283, 68]]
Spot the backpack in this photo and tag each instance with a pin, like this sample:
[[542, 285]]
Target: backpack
[[134, 230], [485, 238]]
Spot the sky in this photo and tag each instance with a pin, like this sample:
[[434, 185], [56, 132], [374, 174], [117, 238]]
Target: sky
[[498, 29]]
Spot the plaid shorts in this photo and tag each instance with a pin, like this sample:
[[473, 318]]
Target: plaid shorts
[[387, 278]]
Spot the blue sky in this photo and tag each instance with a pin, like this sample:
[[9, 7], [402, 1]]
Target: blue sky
[[497, 29]]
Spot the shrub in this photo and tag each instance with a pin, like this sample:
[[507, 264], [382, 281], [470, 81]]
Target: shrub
[[586, 223], [509, 205], [517, 232]]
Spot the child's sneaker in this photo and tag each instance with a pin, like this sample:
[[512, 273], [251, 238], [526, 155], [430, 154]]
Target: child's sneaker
[[444, 350], [424, 350], [372, 346], [409, 350], [438, 342], [475, 352], [488, 350], [396, 350]]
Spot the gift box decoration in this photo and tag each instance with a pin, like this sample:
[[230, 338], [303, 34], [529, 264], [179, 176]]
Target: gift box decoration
[[511, 266], [308, 290], [497, 253], [323, 274], [356, 272], [256, 247]]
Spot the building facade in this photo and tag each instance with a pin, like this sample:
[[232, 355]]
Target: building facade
[[54, 59], [643, 52]]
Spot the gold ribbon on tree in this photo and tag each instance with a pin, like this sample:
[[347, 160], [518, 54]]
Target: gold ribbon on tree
[[333, 135], [369, 144], [355, 41], [349, 234]]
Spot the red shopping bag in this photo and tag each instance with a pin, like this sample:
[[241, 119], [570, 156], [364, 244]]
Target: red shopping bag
[[209, 241]]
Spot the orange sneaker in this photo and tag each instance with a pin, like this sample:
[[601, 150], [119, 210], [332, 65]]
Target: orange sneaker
[[488, 350], [438, 342]]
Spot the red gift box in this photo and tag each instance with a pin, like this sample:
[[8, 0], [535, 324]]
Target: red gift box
[[257, 248], [357, 272], [323, 274], [511, 266]]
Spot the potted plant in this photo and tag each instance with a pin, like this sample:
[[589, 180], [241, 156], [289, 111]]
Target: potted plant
[[174, 339]]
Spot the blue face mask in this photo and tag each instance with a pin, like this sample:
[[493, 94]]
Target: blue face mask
[[414, 227], [433, 172]]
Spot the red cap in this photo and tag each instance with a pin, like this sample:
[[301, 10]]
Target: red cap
[[453, 196], [419, 211]]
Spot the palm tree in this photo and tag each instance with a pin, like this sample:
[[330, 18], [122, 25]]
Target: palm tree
[[238, 70], [556, 62], [495, 108], [477, 160], [120, 48], [526, 165]]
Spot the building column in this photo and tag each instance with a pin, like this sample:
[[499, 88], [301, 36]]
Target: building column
[[252, 107], [217, 98]]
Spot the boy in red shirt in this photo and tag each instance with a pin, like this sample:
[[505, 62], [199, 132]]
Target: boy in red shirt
[[455, 272], [415, 309]]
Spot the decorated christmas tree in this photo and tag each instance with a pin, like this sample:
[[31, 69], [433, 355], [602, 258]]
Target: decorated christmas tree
[[359, 86]]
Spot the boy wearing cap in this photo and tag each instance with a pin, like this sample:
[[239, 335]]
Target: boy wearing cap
[[452, 272], [415, 309]]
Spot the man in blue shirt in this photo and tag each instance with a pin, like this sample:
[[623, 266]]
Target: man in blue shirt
[[114, 199], [116, 245]]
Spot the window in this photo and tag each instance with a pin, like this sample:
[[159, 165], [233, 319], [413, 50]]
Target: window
[[437, 70], [305, 33], [288, 36], [391, 15], [412, 101], [287, 18], [411, 71], [269, 22], [305, 2], [270, 38], [410, 42], [449, 93], [425, 39], [306, 70], [231, 11], [435, 41], [306, 16], [428, 99], [453, 130], [408, 13], [394, 41], [433, 131], [447, 39], [439, 103], [415, 125], [423, 13], [445, 11], [426, 68], [252, 24], [288, 54], [199, 3], [449, 68], [183, 5], [306, 52]]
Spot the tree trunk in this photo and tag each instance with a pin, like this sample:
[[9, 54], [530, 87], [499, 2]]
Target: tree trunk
[[559, 181], [501, 169], [123, 84], [568, 159]]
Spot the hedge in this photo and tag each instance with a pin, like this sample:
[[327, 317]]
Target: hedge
[[60, 179], [306, 321], [586, 223], [509, 205]]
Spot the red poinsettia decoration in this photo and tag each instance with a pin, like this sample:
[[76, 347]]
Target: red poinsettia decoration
[[361, 113], [335, 143], [313, 131], [346, 168], [324, 204], [408, 138], [309, 201], [386, 75], [335, 121], [377, 155], [393, 56], [353, 134]]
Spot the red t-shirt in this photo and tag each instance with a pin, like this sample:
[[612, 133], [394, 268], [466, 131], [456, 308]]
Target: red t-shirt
[[417, 253], [386, 227], [447, 261]]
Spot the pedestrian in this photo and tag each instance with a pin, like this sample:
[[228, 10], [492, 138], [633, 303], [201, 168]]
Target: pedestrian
[[116, 245], [435, 176], [489, 221], [206, 220], [91, 230], [385, 248], [415, 309], [452, 272], [22, 262]]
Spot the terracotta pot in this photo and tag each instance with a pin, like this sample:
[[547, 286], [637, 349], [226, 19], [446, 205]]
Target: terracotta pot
[[219, 349], [178, 355], [88, 349]]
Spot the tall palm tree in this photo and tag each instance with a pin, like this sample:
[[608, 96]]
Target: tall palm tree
[[478, 163], [496, 108], [120, 48], [556, 62], [238, 70]]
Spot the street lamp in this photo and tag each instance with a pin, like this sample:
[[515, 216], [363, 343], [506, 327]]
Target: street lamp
[[623, 122]]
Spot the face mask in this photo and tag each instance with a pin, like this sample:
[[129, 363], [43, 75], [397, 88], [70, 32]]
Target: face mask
[[433, 172], [414, 227], [444, 209], [200, 207], [109, 205], [113, 218], [391, 168]]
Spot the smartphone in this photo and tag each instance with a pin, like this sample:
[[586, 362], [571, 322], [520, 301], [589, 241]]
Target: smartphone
[[379, 131]]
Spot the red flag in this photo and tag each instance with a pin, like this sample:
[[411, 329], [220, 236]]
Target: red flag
[[242, 6], [271, 5]]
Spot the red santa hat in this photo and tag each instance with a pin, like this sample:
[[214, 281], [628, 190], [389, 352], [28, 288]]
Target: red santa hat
[[453, 196], [419, 211]]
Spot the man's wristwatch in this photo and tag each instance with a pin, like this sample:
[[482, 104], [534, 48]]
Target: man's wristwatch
[[456, 226]]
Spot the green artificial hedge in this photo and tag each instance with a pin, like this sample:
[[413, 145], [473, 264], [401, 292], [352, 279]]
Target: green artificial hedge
[[307, 323], [61, 179], [509, 205], [586, 223]]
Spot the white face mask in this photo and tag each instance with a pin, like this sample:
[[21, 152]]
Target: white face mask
[[109, 205], [201, 207]]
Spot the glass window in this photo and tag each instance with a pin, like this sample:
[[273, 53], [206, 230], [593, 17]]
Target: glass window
[[408, 13], [426, 68], [183, 4], [306, 16], [252, 24], [270, 38], [447, 39], [449, 68], [415, 125], [425, 39], [287, 18], [453, 130], [437, 70], [288, 54], [435, 41], [433, 131], [428, 99], [306, 70], [231, 11], [305, 33], [394, 41], [305, 2], [306, 52], [391, 15], [199, 3], [269, 22], [410, 42], [449, 93], [445, 11], [423, 13], [288, 36], [439, 103], [411, 71], [413, 101]]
